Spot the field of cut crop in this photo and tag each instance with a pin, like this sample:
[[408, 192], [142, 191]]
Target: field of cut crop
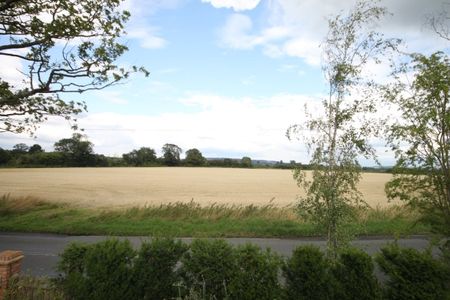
[[126, 187]]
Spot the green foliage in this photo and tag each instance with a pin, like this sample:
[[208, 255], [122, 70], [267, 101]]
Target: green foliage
[[28, 287], [213, 269], [5, 156], [307, 275], [154, 273], [62, 53], [98, 271], [171, 154], [20, 148], [413, 275], [142, 157], [76, 151], [422, 172], [72, 260], [354, 276], [210, 266], [246, 162], [194, 158], [36, 148], [257, 274], [337, 139]]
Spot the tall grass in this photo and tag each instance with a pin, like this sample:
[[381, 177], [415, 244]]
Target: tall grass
[[20, 205], [192, 219], [193, 210]]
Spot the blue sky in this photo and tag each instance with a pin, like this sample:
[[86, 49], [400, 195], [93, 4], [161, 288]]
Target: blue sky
[[227, 77]]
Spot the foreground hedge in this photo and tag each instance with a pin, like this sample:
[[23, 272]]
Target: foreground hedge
[[213, 269]]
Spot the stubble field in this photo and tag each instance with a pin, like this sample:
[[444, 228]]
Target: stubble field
[[127, 187]]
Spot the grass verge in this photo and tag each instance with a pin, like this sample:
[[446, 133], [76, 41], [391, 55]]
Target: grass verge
[[190, 219]]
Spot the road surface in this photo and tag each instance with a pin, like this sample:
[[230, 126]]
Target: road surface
[[41, 250]]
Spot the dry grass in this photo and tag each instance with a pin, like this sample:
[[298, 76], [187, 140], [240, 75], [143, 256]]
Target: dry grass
[[150, 187], [18, 205]]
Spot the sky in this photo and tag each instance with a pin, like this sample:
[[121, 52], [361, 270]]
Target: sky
[[227, 77]]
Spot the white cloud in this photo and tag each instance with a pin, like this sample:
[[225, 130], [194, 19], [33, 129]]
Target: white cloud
[[308, 49], [237, 5], [236, 33], [110, 96], [297, 28], [240, 126], [11, 70], [148, 37], [219, 126], [139, 26]]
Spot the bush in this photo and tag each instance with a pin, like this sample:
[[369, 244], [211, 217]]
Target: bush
[[99, 271], [257, 274], [413, 274], [154, 270], [209, 266], [307, 275], [354, 276], [73, 267]]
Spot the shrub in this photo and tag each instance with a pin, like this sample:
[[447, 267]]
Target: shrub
[[98, 271], [73, 267], [154, 269], [413, 274], [209, 266], [354, 276], [257, 274], [28, 287], [307, 275]]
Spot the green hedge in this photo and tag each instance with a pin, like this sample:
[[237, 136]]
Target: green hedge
[[307, 275], [413, 274], [213, 269]]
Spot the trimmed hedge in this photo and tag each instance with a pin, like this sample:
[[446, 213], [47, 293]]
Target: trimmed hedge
[[209, 267], [354, 276], [98, 271], [307, 275], [257, 274], [413, 274], [155, 275], [213, 269]]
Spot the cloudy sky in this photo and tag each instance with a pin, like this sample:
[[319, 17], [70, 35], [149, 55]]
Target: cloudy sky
[[227, 76]]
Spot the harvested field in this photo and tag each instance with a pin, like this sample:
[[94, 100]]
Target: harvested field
[[125, 187]]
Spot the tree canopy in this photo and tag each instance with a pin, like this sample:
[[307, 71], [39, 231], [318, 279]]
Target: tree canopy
[[337, 139], [246, 162], [77, 150], [66, 46], [194, 158], [141, 157], [171, 154], [421, 138]]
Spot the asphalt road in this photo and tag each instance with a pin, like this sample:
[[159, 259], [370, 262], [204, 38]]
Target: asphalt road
[[41, 250]]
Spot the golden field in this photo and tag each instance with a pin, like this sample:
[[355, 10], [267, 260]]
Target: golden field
[[124, 187]]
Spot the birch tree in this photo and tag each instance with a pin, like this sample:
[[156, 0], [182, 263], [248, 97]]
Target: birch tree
[[340, 135]]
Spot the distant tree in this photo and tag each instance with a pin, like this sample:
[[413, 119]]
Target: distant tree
[[36, 148], [246, 162], [5, 156], [141, 157], [228, 162], [194, 158], [20, 148], [77, 151], [171, 154]]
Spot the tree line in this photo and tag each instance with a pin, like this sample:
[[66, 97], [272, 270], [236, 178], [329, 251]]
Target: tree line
[[78, 151]]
